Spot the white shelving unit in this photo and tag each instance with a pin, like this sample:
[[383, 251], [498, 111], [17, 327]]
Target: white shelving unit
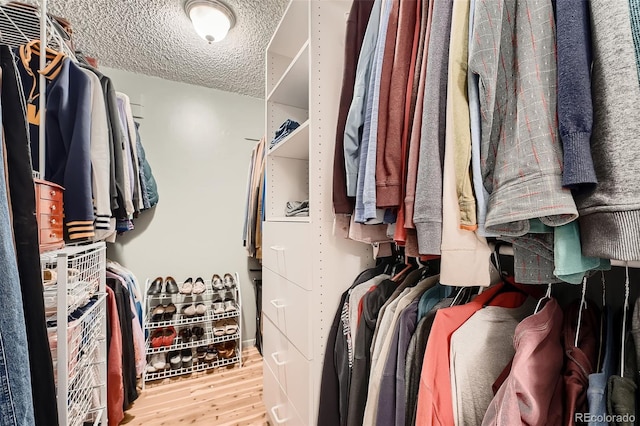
[[180, 321], [305, 267], [75, 305]]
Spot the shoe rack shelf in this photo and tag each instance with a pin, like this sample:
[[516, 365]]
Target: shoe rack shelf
[[75, 299], [197, 367], [179, 320]]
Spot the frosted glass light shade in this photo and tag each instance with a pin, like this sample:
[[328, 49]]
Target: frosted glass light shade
[[212, 20]]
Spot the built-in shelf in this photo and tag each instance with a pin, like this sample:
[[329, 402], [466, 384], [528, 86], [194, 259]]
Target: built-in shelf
[[292, 31], [295, 145], [303, 219], [293, 87]]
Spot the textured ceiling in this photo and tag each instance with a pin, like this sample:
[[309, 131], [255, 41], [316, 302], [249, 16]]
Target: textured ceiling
[[155, 37]]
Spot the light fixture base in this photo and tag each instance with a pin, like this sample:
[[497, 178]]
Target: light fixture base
[[215, 4]]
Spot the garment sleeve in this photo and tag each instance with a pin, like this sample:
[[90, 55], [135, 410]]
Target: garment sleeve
[[575, 108]]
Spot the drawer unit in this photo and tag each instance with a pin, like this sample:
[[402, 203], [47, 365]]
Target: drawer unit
[[50, 214], [289, 308], [291, 368], [287, 251], [279, 408]]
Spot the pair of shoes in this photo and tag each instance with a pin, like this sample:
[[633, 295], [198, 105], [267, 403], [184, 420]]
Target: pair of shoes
[[191, 311], [163, 313], [223, 296], [226, 350], [225, 326], [196, 333], [220, 284], [189, 287], [211, 355], [222, 307], [181, 359], [171, 287], [162, 337], [156, 362], [201, 353]]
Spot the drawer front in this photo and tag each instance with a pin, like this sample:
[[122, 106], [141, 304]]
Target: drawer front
[[287, 251], [51, 235], [289, 308], [52, 207], [50, 221], [291, 368], [280, 409], [49, 192]]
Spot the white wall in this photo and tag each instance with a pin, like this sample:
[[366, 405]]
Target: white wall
[[194, 141]]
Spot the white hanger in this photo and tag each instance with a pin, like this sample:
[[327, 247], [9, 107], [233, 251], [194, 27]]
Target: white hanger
[[624, 317], [546, 296], [583, 305]]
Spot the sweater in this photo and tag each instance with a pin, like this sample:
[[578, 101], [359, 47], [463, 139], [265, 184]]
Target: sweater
[[68, 131], [356, 27], [575, 109], [610, 214], [427, 214], [514, 47]]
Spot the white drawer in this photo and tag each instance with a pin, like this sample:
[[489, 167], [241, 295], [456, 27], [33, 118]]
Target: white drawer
[[287, 251], [279, 408], [289, 308], [291, 368]]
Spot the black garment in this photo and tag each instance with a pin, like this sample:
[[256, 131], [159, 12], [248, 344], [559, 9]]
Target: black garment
[[415, 356], [334, 387], [25, 231], [371, 304], [128, 355]]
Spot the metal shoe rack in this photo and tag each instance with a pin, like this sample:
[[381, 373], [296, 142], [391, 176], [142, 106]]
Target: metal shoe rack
[[180, 321], [75, 306]]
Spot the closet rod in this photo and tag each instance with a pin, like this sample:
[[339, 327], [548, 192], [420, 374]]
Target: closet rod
[[508, 251]]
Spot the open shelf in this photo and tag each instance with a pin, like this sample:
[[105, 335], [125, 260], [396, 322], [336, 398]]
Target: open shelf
[[293, 87], [197, 366], [302, 219], [295, 145], [292, 31]]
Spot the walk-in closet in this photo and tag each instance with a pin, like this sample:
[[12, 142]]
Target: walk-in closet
[[319, 212]]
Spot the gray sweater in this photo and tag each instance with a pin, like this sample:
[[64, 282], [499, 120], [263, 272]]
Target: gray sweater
[[610, 215]]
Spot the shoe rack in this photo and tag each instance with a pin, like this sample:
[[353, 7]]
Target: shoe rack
[[212, 336], [75, 310]]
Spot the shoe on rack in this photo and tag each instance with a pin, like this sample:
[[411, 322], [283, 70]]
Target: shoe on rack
[[168, 336], [229, 295], [149, 368], [218, 308], [217, 296], [201, 352], [219, 328], [188, 311], [159, 361], [169, 312], [187, 358], [229, 306], [230, 326], [229, 281], [212, 354], [156, 287], [171, 285], [201, 309], [198, 332], [157, 338], [227, 350], [175, 360], [187, 286], [216, 282], [186, 335], [199, 286], [157, 314]]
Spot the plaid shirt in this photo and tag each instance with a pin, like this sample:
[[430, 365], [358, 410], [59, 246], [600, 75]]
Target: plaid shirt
[[513, 52]]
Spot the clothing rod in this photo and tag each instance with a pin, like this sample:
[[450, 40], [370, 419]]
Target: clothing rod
[[507, 250]]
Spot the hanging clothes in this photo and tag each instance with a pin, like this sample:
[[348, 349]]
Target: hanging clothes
[[115, 384]]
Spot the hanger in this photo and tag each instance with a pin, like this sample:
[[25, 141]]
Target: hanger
[[506, 285], [456, 298], [546, 296], [583, 305], [624, 317], [602, 322]]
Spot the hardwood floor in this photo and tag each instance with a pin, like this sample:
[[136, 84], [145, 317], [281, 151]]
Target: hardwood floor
[[221, 397]]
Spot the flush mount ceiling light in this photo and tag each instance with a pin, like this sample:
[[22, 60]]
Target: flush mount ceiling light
[[211, 19]]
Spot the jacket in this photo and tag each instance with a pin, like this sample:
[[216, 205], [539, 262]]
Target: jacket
[[68, 131], [610, 214], [148, 184]]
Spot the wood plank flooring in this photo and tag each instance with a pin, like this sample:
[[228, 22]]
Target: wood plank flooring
[[221, 397]]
